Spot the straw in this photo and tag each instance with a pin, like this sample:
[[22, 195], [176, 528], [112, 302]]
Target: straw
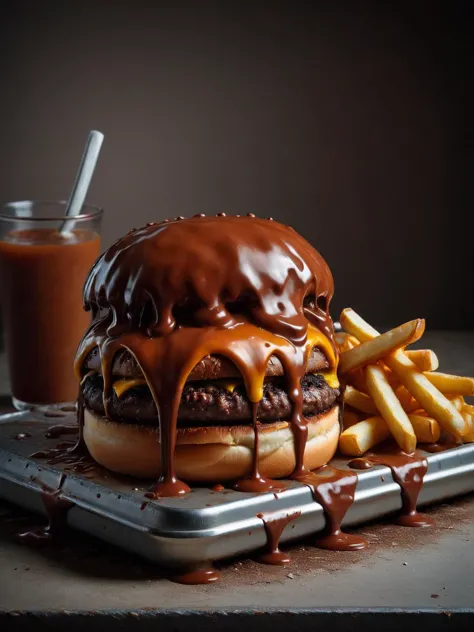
[[83, 179]]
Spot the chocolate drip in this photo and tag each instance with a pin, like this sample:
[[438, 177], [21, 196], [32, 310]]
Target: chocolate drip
[[21, 436], [408, 471], [79, 447], [274, 527], [446, 442], [57, 431], [256, 482], [197, 576], [334, 490], [57, 509], [176, 292], [434, 448]]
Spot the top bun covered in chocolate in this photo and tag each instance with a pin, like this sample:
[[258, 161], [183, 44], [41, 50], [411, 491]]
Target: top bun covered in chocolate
[[210, 356]]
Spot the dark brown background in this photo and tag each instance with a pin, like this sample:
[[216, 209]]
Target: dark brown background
[[351, 121]]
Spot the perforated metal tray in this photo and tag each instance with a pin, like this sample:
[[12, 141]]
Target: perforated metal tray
[[203, 525]]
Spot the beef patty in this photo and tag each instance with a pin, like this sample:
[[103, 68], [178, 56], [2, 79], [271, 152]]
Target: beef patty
[[210, 404], [209, 368]]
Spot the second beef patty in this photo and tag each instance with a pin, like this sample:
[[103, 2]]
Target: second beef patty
[[211, 404]]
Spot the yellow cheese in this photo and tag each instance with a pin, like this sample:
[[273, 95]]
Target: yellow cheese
[[121, 386], [229, 385], [330, 376], [317, 339]]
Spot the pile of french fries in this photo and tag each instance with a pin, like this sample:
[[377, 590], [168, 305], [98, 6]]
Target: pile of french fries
[[390, 391]]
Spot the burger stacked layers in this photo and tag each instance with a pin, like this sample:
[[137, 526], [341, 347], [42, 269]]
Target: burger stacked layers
[[210, 356]]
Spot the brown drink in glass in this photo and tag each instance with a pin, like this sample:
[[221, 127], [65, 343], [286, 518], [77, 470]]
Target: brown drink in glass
[[44, 261]]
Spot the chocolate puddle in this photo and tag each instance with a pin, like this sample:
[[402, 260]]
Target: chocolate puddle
[[197, 576], [21, 436], [54, 432]]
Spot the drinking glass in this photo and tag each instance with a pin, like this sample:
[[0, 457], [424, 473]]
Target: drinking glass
[[44, 261]]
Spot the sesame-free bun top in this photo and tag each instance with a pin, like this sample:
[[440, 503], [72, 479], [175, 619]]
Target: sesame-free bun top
[[211, 271]]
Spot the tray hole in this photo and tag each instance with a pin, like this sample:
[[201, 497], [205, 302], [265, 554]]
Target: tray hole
[[98, 495], [9, 459], [119, 496], [27, 466]]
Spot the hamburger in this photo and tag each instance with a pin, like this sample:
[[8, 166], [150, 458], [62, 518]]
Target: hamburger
[[210, 356]]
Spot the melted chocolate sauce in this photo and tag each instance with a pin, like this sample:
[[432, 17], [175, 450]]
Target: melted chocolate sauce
[[80, 446], [22, 436], [74, 458], [57, 509], [217, 488], [361, 464], [445, 442], [175, 292], [256, 483], [274, 527], [334, 490], [408, 471], [56, 431], [197, 576], [434, 448]]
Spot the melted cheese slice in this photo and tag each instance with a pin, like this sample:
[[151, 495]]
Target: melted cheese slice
[[121, 386], [229, 385], [330, 377], [317, 339]]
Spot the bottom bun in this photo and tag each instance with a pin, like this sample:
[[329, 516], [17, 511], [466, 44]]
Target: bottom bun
[[211, 453]]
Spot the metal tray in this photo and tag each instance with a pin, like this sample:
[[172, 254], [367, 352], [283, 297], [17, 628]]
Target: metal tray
[[205, 524]]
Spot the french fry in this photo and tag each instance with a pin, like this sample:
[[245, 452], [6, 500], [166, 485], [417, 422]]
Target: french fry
[[469, 419], [373, 350], [427, 430], [364, 435], [350, 418], [359, 438], [357, 379], [425, 359], [468, 409], [390, 408], [420, 412], [391, 377], [345, 342], [408, 402], [359, 400], [430, 398], [457, 401], [452, 384]]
